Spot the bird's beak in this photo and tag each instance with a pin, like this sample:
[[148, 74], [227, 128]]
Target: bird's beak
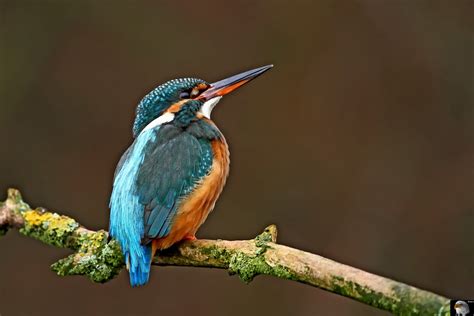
[[228, 85]]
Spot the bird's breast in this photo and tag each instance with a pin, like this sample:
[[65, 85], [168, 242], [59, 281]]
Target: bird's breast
[[194, 208]]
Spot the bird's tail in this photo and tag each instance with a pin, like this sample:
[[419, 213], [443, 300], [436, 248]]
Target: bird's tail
[[138, 265]]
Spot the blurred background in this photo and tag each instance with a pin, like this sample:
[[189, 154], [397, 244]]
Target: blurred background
[[358, 144]]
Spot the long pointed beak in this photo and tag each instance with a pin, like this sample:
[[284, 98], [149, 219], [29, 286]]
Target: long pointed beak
[[228, 85]]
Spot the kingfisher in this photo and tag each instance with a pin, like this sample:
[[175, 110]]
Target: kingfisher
[[169, 179]]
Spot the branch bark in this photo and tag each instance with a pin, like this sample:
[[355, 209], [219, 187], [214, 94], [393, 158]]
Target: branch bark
[[99, 258]]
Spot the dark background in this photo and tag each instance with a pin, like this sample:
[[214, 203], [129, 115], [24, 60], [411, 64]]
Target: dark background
[[358, 144]]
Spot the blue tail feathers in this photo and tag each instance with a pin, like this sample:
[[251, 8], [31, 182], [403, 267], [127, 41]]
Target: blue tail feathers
[[126, 211], [138, 263]]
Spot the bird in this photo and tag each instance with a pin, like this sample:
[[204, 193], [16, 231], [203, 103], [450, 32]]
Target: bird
[[462, 308], [168, 180]]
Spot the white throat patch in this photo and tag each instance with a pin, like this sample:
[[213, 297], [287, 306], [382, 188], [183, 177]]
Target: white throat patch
[[165, 118], [207, 107], [205, 110]]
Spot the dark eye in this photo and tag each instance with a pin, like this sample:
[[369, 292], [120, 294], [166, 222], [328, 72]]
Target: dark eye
[[184, 95]]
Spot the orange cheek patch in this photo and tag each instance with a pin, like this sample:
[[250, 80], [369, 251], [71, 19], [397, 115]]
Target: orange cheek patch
[[175, 107], [202, 86]]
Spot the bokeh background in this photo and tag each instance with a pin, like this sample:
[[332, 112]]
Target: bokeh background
[[358, 144]]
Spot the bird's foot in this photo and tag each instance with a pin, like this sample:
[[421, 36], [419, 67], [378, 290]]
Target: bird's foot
[[189, 237]]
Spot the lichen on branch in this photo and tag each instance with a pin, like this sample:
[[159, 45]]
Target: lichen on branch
[[100, 259], [97, 258]]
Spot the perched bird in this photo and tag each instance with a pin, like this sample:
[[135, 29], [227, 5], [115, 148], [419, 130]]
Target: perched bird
[[170, 177], [461, 308]]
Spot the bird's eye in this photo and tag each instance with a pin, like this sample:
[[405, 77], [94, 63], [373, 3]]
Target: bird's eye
[[184, 95]]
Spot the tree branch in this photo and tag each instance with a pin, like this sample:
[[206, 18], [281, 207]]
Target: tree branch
[[100, 259]]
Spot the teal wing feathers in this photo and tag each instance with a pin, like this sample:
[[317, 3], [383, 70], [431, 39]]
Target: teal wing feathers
[[172, 166]]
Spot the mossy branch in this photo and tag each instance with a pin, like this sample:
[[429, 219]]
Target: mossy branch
[[100, 259]]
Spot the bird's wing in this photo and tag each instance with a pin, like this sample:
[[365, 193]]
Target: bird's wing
[[172, 167], [122, 160]]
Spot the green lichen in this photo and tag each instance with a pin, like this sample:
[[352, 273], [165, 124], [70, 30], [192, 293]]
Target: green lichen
[[247, 266], [262, 240], [98, 259], [402, 302], [282, 272], [354, 290], [215, 252], [419, 302], [50, 228]]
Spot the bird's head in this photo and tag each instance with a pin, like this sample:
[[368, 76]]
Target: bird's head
[[461, 307], [187, 99]]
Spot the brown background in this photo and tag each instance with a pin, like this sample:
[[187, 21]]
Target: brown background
[[359, 144]]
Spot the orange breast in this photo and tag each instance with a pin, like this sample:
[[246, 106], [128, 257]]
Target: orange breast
[[193, 210]]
